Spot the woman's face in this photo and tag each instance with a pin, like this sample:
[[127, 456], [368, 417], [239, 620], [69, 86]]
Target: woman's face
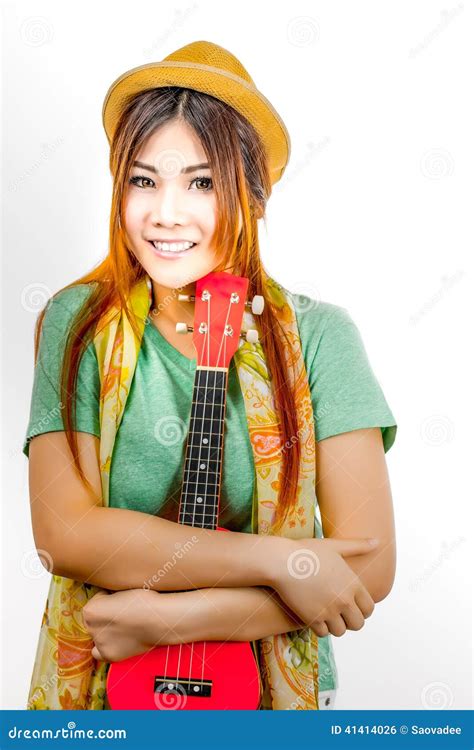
[[171, 198]]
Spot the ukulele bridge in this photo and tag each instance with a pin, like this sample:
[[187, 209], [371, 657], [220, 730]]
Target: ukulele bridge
[[171, 686]]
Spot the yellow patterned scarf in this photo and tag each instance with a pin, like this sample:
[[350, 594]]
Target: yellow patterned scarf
[[65, 675]]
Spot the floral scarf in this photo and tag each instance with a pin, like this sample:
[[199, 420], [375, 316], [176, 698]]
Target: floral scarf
[[65, 675]]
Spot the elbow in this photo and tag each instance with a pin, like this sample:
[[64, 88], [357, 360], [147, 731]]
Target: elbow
[[383, 587]]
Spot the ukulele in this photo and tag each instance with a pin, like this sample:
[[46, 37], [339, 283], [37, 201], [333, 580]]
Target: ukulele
[[205, 675]]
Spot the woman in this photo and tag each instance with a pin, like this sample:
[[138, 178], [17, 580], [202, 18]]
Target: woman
[[195, 150]]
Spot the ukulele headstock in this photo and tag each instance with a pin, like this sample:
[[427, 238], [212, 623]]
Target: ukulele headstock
[[220, 302]]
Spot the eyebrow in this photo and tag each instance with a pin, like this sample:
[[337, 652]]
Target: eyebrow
[[185, 170]]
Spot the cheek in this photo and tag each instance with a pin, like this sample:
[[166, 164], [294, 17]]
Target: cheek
[[133, 214]]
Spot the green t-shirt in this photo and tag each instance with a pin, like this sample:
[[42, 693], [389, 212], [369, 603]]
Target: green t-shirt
[[148, 457]]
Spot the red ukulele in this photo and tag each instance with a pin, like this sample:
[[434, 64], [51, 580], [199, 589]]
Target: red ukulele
[[206, 675]]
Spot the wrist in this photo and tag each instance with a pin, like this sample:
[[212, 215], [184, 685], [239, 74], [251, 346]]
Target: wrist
[[274, 553]]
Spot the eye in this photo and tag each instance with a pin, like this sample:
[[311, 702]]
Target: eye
[[135, 180], [207, 180]]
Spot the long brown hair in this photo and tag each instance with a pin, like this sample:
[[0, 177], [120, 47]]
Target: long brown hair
[[240, 177]]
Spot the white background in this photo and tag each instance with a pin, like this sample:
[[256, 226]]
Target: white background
[[371, 214]]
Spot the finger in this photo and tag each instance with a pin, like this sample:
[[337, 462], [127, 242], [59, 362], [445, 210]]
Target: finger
[[320, 628], [364, 601], [348, 547], [353, 617], [336, 626], [96, 654], [100, 593]]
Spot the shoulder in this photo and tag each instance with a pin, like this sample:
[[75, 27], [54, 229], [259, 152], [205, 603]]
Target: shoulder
[[63, 306], [320, 322]]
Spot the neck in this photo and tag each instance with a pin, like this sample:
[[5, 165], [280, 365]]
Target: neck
[[167, 306]]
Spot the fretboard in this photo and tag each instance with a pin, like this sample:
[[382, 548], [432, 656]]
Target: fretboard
[[199, 504]]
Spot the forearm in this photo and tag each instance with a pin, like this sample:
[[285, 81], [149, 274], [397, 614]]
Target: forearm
[[218, 614], [120, 549]]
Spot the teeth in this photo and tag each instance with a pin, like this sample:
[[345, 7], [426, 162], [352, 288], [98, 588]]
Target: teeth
[[173, 247]]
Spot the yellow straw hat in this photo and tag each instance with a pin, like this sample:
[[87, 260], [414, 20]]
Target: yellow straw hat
[[209, 68]]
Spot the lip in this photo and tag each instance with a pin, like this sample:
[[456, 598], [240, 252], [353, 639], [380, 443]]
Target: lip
[[170, 255], [170, 242]]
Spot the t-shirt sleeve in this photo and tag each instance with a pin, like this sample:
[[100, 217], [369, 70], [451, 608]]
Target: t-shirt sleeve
[[346, 394], [46, 407]]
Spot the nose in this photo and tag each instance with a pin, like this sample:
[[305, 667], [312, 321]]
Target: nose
[[167, 205]]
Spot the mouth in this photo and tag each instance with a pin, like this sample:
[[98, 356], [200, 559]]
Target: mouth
[[162, 253]]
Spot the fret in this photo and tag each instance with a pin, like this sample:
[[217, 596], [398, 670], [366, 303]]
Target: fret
[[206, 525], [204, 452], [201, 488], [200, 410], [206, 466], [204, 426], [203, 459]]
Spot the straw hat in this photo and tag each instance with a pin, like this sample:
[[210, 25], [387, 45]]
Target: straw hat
[[209, 68]]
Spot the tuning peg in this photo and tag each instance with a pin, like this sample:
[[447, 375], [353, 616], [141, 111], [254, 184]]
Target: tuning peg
[[251, 335], [257, 304]]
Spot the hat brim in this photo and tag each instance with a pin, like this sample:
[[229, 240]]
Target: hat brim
[[230, 88]]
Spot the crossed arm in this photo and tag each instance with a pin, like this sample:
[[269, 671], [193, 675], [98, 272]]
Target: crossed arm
[[355, 501]]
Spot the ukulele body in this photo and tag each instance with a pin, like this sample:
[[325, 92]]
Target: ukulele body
[[205, 675], [213, 676]]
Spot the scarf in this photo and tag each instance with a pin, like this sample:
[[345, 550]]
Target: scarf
[[65, 675]]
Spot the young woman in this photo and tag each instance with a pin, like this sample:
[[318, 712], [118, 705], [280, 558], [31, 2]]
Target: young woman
[[195, 150]]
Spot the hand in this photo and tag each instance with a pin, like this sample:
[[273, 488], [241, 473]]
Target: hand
[[313, 579], [119, 623]]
